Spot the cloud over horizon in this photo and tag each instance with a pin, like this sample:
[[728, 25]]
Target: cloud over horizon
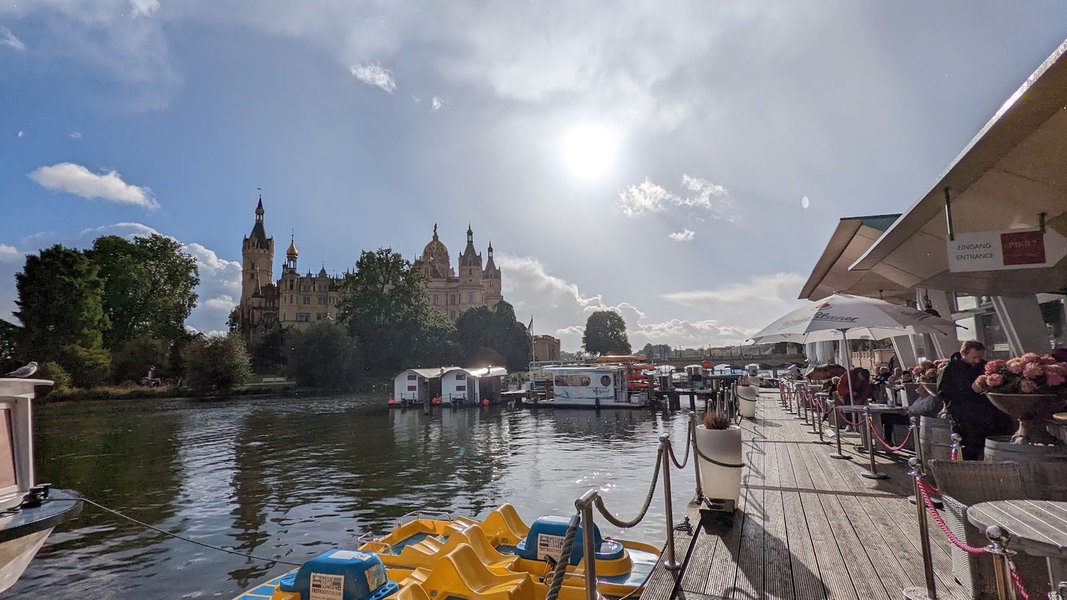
[[78, 180]]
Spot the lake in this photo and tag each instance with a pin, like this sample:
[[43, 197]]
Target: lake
[[286, 479]]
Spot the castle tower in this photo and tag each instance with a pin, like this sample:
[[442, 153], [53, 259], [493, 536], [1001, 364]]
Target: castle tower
[[291, 255], [491, 280], [257, 259]]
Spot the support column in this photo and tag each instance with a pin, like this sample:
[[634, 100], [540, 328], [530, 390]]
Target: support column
[[1023, 324], [905, 351]]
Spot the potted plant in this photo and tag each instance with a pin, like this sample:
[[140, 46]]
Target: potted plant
[[1030, 388], [747, 395], [926, 373], [718, 452]]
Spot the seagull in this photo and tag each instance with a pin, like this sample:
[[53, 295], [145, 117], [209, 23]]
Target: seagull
[[24, 371]]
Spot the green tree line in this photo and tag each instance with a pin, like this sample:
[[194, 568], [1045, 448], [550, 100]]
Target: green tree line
[[108, 314]]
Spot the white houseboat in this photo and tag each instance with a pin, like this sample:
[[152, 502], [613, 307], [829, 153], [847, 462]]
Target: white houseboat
[[448, 386], [592, 386]]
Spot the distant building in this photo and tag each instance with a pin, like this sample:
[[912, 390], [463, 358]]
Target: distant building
[[545, 347], [296, 300]]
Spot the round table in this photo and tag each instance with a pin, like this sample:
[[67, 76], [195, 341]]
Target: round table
[[1036, 527]]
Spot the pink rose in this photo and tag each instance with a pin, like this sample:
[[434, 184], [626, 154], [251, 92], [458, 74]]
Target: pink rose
[[993, 366], [1031, 357], [1033, 370], [1054, 379], [1015, 365], [1027, 386], [993, 379]]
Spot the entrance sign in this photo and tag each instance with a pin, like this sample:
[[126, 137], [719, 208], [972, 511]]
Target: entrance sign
[[1000, 250]]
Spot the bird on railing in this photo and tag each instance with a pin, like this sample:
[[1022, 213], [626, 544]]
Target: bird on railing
[[24, 371]]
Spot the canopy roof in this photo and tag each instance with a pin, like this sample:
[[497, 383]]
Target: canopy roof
[[1013, 170], [853, 236]]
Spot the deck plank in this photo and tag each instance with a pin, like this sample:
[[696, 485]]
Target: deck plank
[[808, 525]]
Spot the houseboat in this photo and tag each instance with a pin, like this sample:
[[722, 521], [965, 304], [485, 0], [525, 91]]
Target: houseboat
[[591, 386], [448, 386]]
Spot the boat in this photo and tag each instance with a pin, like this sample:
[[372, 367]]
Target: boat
[[28, 510], [590, 386], [426, 557]]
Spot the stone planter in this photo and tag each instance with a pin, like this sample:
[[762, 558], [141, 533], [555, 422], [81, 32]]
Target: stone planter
[[746, 396], [721, 479], [1033, 411]]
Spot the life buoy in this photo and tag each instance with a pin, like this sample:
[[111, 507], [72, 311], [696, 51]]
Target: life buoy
[[485, 401]]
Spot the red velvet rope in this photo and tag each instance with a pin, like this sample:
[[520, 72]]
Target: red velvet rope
[[841, 415], [924, 489], [870, 423]]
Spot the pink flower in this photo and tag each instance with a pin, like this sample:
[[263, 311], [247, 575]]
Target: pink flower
[[993, 366], [1033, 370], [1054, 379], [993, 379], [1015, 365], [1027, 386], [1030, 357]]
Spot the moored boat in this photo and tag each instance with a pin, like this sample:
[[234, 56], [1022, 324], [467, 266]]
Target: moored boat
[[429, 557], [591, 386], [28, 511]]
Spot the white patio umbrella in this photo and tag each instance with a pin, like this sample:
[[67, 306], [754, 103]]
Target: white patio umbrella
[[844, 317]]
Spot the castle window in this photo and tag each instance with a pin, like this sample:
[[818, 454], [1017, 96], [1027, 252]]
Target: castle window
[[303, 317], [470, 297], [322, 300], [307, 299], [435, 299], [320, 316], [290, 284]]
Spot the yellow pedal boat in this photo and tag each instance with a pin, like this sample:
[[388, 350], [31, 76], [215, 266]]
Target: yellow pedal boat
[[499, 557]]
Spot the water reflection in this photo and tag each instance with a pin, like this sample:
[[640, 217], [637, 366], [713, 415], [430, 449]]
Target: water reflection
[[286, 479]]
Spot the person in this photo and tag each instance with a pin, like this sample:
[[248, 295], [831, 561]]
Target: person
[[859, 392], [972, 416]]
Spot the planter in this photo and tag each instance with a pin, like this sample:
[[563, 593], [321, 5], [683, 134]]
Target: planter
[[1033, 411], [721, 479], [746, 396]]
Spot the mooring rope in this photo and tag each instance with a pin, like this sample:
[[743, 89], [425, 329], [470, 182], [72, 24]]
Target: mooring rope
[[564, 558], [599, 502]]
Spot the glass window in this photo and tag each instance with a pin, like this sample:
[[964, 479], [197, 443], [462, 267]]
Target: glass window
[[571, 380]]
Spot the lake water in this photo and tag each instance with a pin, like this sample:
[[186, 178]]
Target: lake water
[[288, 479]]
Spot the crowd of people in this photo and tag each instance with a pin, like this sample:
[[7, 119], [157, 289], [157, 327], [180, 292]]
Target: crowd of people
[[948, 393]]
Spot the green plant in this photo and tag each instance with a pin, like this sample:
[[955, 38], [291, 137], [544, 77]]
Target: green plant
[[717, 419]]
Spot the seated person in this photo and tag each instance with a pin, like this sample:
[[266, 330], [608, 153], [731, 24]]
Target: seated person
[[857, 389]]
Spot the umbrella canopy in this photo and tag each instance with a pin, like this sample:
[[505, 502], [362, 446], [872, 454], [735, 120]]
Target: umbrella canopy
[[846, 316]]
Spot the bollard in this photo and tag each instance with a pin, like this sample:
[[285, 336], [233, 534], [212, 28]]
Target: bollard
[[1002, 564], [585, 507], [837, 428], [917, 593], [869, 434], [664, 443]]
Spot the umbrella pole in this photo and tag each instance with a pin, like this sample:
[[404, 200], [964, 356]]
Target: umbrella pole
[[837, 415]]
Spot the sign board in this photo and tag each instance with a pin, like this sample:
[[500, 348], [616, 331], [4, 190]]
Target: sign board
[[1000, 250]]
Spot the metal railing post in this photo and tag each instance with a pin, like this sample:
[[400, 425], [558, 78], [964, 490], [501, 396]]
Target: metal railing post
[[668, 506], [930, 592], [585, 507]]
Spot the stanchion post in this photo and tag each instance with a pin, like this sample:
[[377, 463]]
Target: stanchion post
[[668, 507], [869, 430], [916, 593], [837, 427], [696, 462], [998, 547], [585, 507]]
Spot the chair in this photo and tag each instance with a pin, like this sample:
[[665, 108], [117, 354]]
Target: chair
[[963, 484]]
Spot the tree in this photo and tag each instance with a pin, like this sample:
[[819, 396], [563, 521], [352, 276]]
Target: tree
[[60, 300], [268, 353], [215, 363], [148, 287], [493, 336], [385, 310], [605, 333], [324, 357]]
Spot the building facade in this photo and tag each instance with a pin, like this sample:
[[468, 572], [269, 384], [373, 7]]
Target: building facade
[[296, 301]]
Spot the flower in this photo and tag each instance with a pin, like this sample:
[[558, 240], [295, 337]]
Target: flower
[[927, 371], [1027, 374]]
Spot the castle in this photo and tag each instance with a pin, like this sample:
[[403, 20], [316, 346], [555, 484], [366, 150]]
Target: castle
[[296, 301]]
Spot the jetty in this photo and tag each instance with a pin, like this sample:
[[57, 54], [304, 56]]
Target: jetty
[[808, 525]]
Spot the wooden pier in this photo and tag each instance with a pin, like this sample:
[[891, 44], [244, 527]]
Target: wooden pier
[[808, 525]]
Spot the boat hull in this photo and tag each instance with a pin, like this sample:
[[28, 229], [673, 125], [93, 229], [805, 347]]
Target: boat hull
[[23, 533]]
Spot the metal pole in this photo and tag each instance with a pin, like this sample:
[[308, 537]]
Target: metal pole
[[696, 463], [998, 547], [664, 444], [837, 427], [585, 506], [924, 537], [869, 431]]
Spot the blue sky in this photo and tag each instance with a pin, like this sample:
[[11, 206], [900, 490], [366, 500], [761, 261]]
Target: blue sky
[[681, 162]]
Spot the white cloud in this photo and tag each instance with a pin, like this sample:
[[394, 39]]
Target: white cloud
[[8, 39], [144, 8], [77, 180], [685, 235], [220, 283], [711, 198], [20, 134], [436, 103], [76, 135], [373, 74]]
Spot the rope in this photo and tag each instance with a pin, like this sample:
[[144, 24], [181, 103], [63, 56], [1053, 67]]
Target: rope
[[564, 559], [183, 538], [1019, 582], [888, 446], [715, 462], [841, 414], [690, 435], [599, 502]]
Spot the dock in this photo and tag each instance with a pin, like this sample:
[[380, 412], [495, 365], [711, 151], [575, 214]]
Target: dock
[[808, 525]]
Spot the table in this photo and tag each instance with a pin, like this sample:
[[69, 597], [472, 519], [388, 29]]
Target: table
[[1036, 527]]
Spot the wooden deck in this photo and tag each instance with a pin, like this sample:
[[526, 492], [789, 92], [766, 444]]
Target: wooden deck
[[809, 526]]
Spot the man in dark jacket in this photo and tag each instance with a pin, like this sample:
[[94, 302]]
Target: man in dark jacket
[[972, 415]]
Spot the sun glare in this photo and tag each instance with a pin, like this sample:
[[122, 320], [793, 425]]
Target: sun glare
[[589, 150]]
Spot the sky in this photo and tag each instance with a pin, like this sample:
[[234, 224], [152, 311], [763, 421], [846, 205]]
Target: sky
[[683, 163]]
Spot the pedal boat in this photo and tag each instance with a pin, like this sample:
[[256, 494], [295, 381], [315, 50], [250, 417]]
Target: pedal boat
[[505, 544], [361, 575]]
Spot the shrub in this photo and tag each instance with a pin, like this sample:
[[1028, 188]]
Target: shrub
[[717, 419]]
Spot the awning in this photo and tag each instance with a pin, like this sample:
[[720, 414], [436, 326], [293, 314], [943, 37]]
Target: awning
[[853, 236], [1013, 170]]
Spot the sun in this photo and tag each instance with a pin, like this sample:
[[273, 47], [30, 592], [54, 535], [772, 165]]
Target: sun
[[589, 150]]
